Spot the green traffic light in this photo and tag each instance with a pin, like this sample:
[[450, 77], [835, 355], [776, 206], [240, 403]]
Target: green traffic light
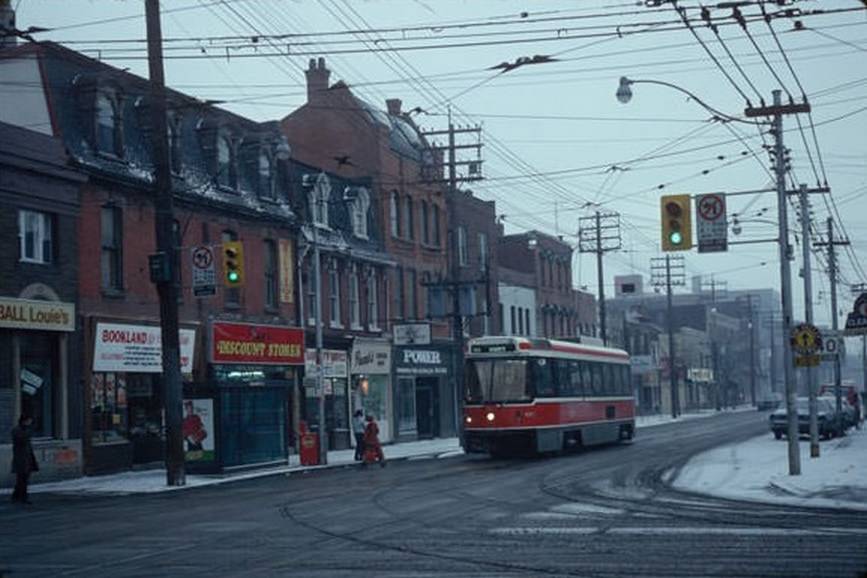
[[233, 276], [675, 238]]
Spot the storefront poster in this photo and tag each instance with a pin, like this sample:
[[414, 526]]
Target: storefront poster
[[371, 358], [256, 344], [119, 347], [198, 430], [335, 363]]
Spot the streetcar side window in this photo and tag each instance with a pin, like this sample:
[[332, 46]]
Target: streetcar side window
[[586, 378], [477, 380], [627, 380], [542, 377], [564, 383], [612, 381], [575, 379], [509, 381]]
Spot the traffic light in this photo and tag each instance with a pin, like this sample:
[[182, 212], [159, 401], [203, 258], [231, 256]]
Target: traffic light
[[676, 222], [233, 263]]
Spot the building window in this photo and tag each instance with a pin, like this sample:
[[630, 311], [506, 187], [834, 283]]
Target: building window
[[394, 214], [502, 320], [319, 198], [108, 132], [111, 259], [436, 225], [35, 236], [521, 321], [271, 274], [227, 171], [354, 301], [527, 322], [462, 246], [483, 252], [360, 208], [174, 133], [372, 301], [408, 219], [411, 294], [267, 189], [425, 224], [334, 292], [514, 325], [231, 295], [398, 294]]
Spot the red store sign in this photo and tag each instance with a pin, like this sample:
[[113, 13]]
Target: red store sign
[[256, 344]]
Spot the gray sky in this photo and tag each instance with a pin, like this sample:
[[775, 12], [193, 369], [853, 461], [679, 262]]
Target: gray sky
[[555, 136]]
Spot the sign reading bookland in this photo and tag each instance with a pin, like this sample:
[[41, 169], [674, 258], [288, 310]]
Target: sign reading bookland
[[244, 343], [37, 315], [121, 347]]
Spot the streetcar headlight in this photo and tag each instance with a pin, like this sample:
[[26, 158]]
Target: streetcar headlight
[[469, 419], [490, 416]]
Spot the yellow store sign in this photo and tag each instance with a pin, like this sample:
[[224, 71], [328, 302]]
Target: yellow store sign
[[39, 315]]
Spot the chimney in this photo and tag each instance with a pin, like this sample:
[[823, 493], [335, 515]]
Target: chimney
[[7, 25], [317, 79], [393, 105]]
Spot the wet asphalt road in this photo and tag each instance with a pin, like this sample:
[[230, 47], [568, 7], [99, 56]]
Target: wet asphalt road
[[597, 513]]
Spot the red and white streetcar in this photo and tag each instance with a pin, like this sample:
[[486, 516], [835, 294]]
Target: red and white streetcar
[[542, 395]]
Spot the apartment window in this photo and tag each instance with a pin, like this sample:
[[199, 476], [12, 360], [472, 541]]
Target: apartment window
[[108, 131], [319, 198], [398, 294], [360, 207], [334, 292], [514, 325], [394, 214], [35, 236], [411, 294], [231, 295], [266, 177], [111, 258], [354, 302], [483, 252], [425, 224], [462, 246], [410, 222], [521, 321], [227, 171], [271, 274], [372, 300], [436, 225]]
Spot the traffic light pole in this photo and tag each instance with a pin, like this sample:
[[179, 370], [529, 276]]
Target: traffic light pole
[[163, 221]]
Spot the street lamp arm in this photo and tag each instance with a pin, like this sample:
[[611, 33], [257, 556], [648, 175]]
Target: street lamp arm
[[624, 95]]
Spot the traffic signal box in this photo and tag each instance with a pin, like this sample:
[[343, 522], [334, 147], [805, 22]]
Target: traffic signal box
[[233, 263], [676, 222]]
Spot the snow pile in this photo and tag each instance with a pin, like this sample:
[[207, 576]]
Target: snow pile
[[758, 470]]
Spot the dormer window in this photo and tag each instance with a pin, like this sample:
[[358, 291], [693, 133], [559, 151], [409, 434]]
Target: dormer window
[[266, 176], [227, 165], [107, 134], [359, 208], [318, 197]]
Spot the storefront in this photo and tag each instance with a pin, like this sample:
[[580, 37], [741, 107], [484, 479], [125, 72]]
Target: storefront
[[246, 413], [370, 370], [335, 381], [426, 402], [125, 425], [36, 376]]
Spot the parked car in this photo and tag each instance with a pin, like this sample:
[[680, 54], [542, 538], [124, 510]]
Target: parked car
[[848, 418], [830, 423], [769, 401]]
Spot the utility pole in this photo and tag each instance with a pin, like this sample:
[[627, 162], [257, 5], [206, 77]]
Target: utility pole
[[751, 324], [831, 243], [808, 314], [163, 222], [780, 160], [317, 313], [675, 274], [599, 234]]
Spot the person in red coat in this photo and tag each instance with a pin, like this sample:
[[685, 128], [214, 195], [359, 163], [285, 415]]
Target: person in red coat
[[372, 447]]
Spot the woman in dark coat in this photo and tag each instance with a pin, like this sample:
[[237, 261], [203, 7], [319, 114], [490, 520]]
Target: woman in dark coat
[[23, 458]]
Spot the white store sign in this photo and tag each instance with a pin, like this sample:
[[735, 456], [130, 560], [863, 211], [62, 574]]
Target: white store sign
[[137, 348]]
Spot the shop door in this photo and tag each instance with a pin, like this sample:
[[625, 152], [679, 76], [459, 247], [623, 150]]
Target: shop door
[[145, 418], [37, 382], [424, 407]]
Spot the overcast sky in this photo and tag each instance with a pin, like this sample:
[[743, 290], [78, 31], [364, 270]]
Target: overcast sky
[[555, 136]]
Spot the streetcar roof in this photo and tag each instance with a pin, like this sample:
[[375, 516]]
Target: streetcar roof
[[512, 345]]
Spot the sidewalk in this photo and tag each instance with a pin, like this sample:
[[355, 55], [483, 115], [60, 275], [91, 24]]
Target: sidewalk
[[758, 470], [151, 481]]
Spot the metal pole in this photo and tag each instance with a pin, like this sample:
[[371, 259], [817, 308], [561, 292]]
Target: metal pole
[[808, 314], [785, 289], [457, 318], [317, 273], [832, 272], [671, 365], [601, 280], [163, 222]]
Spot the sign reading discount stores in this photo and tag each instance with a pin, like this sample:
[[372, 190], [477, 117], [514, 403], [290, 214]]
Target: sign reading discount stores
[[245, 343], [711, 223]]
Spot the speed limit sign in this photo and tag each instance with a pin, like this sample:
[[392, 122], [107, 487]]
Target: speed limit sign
[[833, 347]]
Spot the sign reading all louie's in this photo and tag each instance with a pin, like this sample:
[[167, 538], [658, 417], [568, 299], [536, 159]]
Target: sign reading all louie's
[[37, 315], [256, 344]]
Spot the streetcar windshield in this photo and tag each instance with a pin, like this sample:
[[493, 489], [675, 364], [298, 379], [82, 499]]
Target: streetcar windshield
[[497, 380]]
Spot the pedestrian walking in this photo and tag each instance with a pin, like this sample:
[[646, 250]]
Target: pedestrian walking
[[23, 459], [372, 447], [358, 431]]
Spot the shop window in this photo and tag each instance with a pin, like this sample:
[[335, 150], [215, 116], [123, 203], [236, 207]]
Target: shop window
[[108, 407], [37, 381], [354, 301], [35, 234], [271, 274], [406, 405], [372, 301], [231, 295]]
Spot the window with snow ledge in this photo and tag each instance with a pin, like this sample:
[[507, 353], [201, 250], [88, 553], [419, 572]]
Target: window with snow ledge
[[108, 136], [359, 207]]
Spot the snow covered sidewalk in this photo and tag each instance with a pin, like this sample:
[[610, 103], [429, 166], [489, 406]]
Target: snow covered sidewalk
[[758, 470]]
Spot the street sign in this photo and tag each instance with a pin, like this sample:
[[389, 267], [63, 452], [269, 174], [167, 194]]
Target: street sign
[[711, 223], [806, 343], [856, 322], [833, 346], [204, 271]]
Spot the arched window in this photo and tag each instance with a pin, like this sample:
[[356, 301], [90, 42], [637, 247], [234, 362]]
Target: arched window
[[266, 176], [360, 206], [107, 126], [394, 214]]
